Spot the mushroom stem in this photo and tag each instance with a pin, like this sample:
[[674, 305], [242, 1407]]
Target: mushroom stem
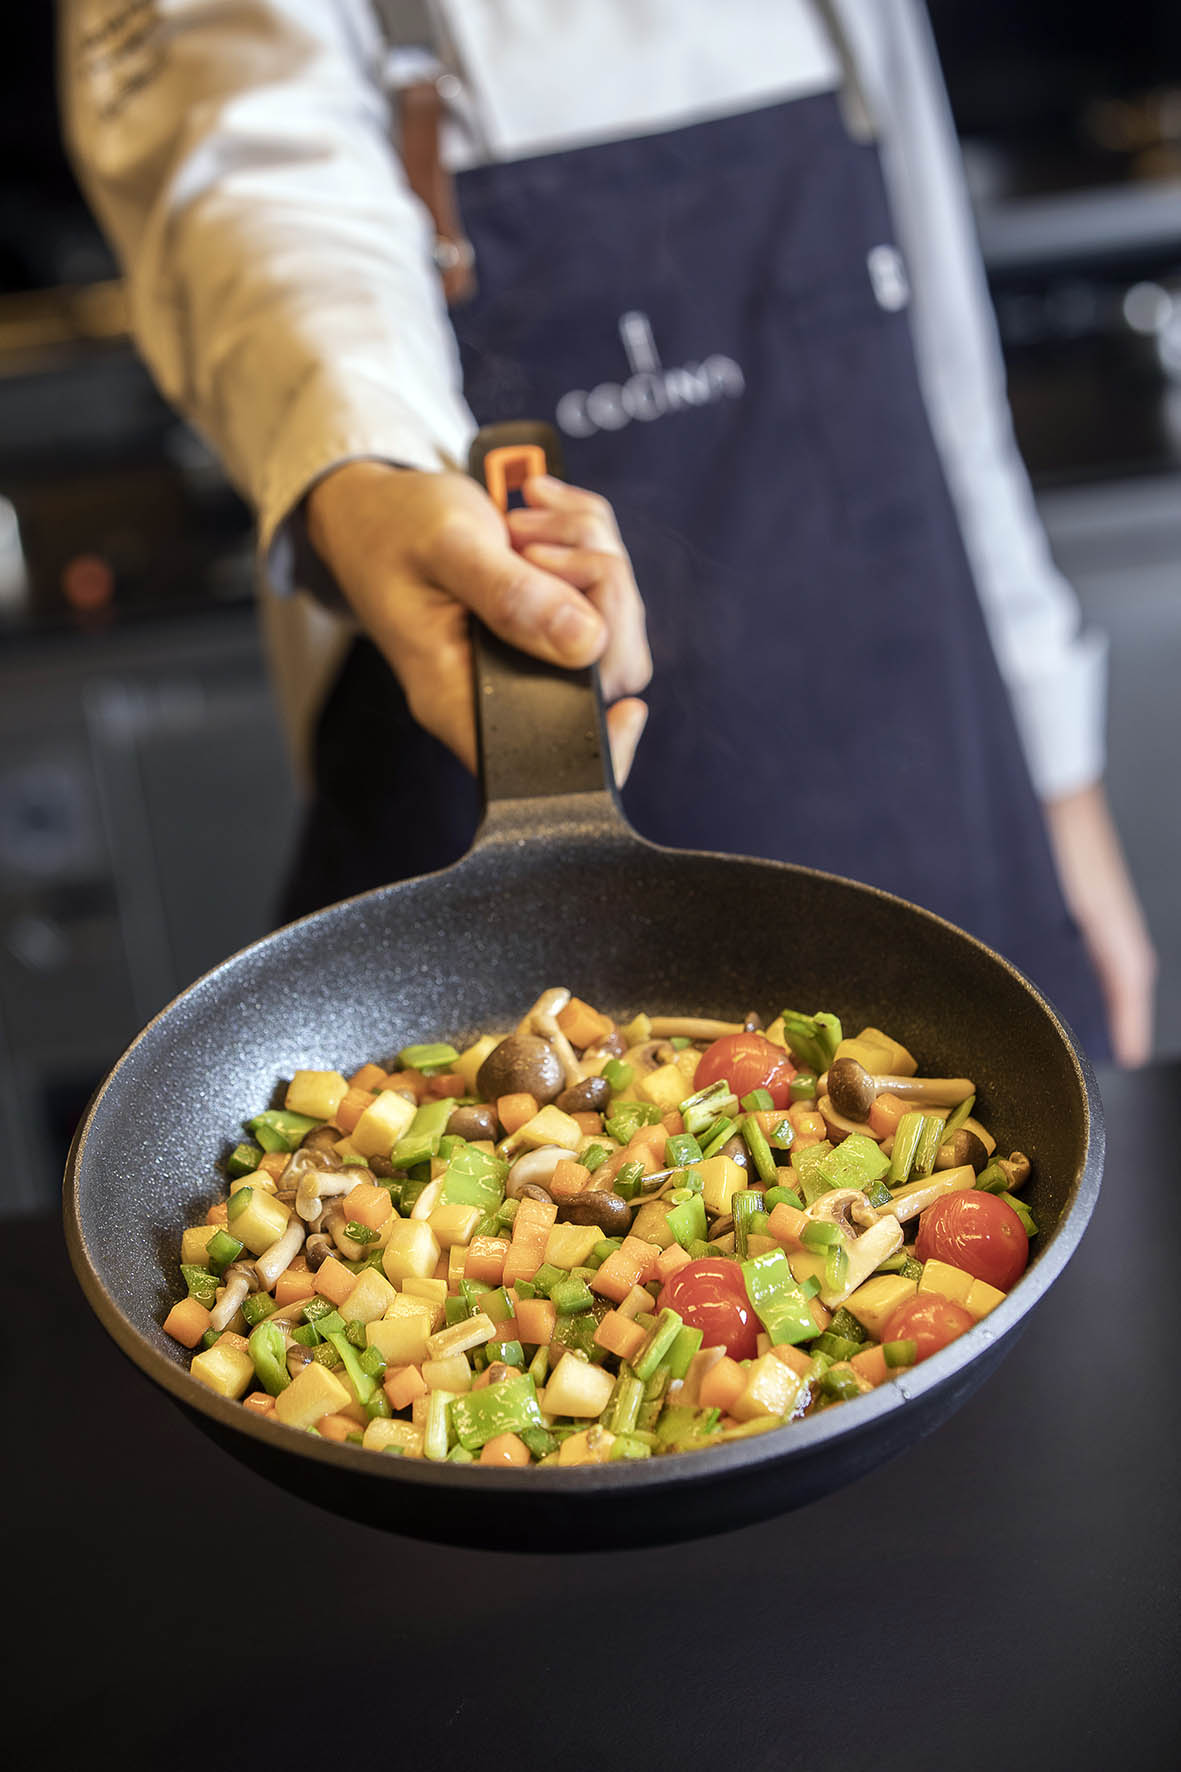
[[240, 1279], [278, 1258], [692, 1027], [318, 1184], [853, 1090], [542, 1019]]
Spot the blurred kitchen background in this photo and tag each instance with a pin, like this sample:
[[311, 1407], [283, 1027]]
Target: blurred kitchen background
[[145, 801]]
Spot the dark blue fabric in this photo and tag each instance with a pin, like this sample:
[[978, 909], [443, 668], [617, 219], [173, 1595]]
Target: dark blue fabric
[[825, 691]]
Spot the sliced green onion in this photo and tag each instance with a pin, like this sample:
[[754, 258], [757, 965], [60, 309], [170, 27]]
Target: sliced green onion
[[821, 1235], [681, 1150], [900, 1353], [431, 1057], [760, 1151], [593, 1156], [1023, 1213], [758, 1101]]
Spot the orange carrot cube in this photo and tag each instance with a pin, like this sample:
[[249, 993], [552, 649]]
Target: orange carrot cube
[[259, 1402], [274, 1163], [515, 1111], [670, 1259], [522, 1262], [620, 1335], [370, 1076], [569, 1178], [632, 1264], [218, 1213], [368, 1204], [588, 1123], [446, 1084], [807, 1124], [187, 1322], [335, 1427], [535, 1321], [408, 1083], [351, 1108], [885, 1113], [787, 1225], [672, 1122], [334, 1281], [485, 1260], [402, 1384], [294, 1284], [648, 1142], [722, 1385], [820, 1314], [795, 1357], [582, 1025], [871, 1365], [534, 1215], [505, 1449]]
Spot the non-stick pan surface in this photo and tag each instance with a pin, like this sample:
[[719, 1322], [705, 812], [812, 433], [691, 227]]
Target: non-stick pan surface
[[558, 890]]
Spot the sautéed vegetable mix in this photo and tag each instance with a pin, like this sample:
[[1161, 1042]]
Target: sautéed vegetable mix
[[584, 1242]]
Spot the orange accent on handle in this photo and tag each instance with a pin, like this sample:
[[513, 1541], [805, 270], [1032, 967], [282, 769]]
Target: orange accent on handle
[[505, 469]]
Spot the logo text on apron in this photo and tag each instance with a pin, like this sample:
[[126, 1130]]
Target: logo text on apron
[[651, 391]]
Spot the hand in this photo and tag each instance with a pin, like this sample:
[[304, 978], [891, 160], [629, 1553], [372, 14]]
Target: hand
[[414, 552], [1102, 899]]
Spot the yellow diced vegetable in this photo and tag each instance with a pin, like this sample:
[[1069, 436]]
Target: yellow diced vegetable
[[224, 1369], [948, 1281], [454, 1225], [874, 1302], [382, 1433], [721, 1179], [771, 1389], [982, 1298], [568, 1245], [401, 1341], [577, 1388], [591, 1446], [261, 1221], [382, 1124], [316, 1093], [369, 1299], [413, 1249], [549, 1126], [450, 1374], [665, 1086], [194, 1244], [314, 1391], [469, 1062]]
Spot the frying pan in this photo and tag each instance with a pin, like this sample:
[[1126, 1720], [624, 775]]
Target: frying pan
[[557, 889]]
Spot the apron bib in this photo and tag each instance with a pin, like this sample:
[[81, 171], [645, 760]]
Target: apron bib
[[715, 318]]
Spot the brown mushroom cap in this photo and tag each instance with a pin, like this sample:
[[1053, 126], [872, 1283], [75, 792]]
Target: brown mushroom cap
[[963, 1147], [521, 1064], [590, 1096], [610, 1212], [851, 1089], [478, 1121]]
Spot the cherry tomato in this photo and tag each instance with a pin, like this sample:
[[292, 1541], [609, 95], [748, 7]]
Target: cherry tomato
[[747, 1061], [711, 1296], [930, 1321], [976, 1232]]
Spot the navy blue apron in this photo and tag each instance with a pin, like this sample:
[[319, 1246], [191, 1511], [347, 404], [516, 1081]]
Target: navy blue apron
[[715, 318]]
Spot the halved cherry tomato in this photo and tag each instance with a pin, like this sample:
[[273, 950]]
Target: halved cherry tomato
[[711, 1296], [930, 1321], [976, 1232], [747, 1061]]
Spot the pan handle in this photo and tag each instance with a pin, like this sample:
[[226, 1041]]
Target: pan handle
[[540, 729]]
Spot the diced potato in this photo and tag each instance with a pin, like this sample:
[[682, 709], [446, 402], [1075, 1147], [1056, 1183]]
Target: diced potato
[[313, 1392], [258, 1178], [878, 1053], [260, 1222], [982, 1298], [316, 1093], [383, 1123], [947, 1281], [550, 1126], [687, 1062], [568, 1245], [450, 1374], [469, 1062], [401, 1341], [665, 1086], [874, 1302], [577, 1388], [226, 1369], [721, 1179], [413, 1250], [334, 1281], [454, 1225], [194, 1244], [771, 1388], [591, 1446], [381, 1434], [806, 1264], [456, 1259], [409, 1304], [369, 1299], [434, 1290]]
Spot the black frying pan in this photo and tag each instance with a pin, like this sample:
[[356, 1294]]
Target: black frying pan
[[558, 890]]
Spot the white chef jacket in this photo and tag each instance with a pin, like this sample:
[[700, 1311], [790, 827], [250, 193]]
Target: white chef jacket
[[238, 154]]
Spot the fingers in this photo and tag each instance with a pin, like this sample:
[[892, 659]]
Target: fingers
[[625, 727], [532, 608], [625, 666]]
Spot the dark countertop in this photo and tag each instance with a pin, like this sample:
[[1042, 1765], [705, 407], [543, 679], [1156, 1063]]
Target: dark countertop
[[1002, 1596]]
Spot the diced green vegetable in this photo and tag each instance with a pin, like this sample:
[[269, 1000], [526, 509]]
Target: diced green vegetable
[[278, 1129], [900, 1353], [617, 1075], [927, 1149], [221, 1250], [844, 1323], [627, 1117], [686, 1345], [202, 1284], [571, 1296], [509, 1407], [957, 1116], [745, 1204], [779, 1303], [719, 1134], [1023, 1213], [257, 1306], [268, 1349], [659, 1343], [701, 1110], [430, 1058], [594, 1156], [760, 1151], [804, 1085], [687, 1220], [681, 1150], [244, 1159], [906, 1139], [783, 1196]]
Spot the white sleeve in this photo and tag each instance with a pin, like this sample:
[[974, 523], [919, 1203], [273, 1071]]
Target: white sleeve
[[279, 271], [1055, 670]]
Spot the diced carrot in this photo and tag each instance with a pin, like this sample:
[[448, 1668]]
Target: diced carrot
[[218, 1213], [352, 1106], [334, 1281], [335, 1427], [885, 1113], [536, 1318], [540, 1215], [522, 1261], [402, 1384], [588, 1123], [871, 1365], [294, 1284], [820, 1314], [274, 1163], [722, 1385], [568, 1179], [187, 1322], [670, 1259], [629, 1153], [649, 1139], [259, 1402], [368, 1204], [672, 1122], [446, 1084], [787, 1225], [795, 1357], [807, 1124], [229, 1338], [407, 1082], [485, 1260], [504, 1449], [632, 1264], [515, 1111], [620, 1335], [370, 1076], [582, 1025], [770, 1120], [638, 1299]]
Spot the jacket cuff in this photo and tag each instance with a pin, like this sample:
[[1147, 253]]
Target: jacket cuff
[[1060, 712]]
